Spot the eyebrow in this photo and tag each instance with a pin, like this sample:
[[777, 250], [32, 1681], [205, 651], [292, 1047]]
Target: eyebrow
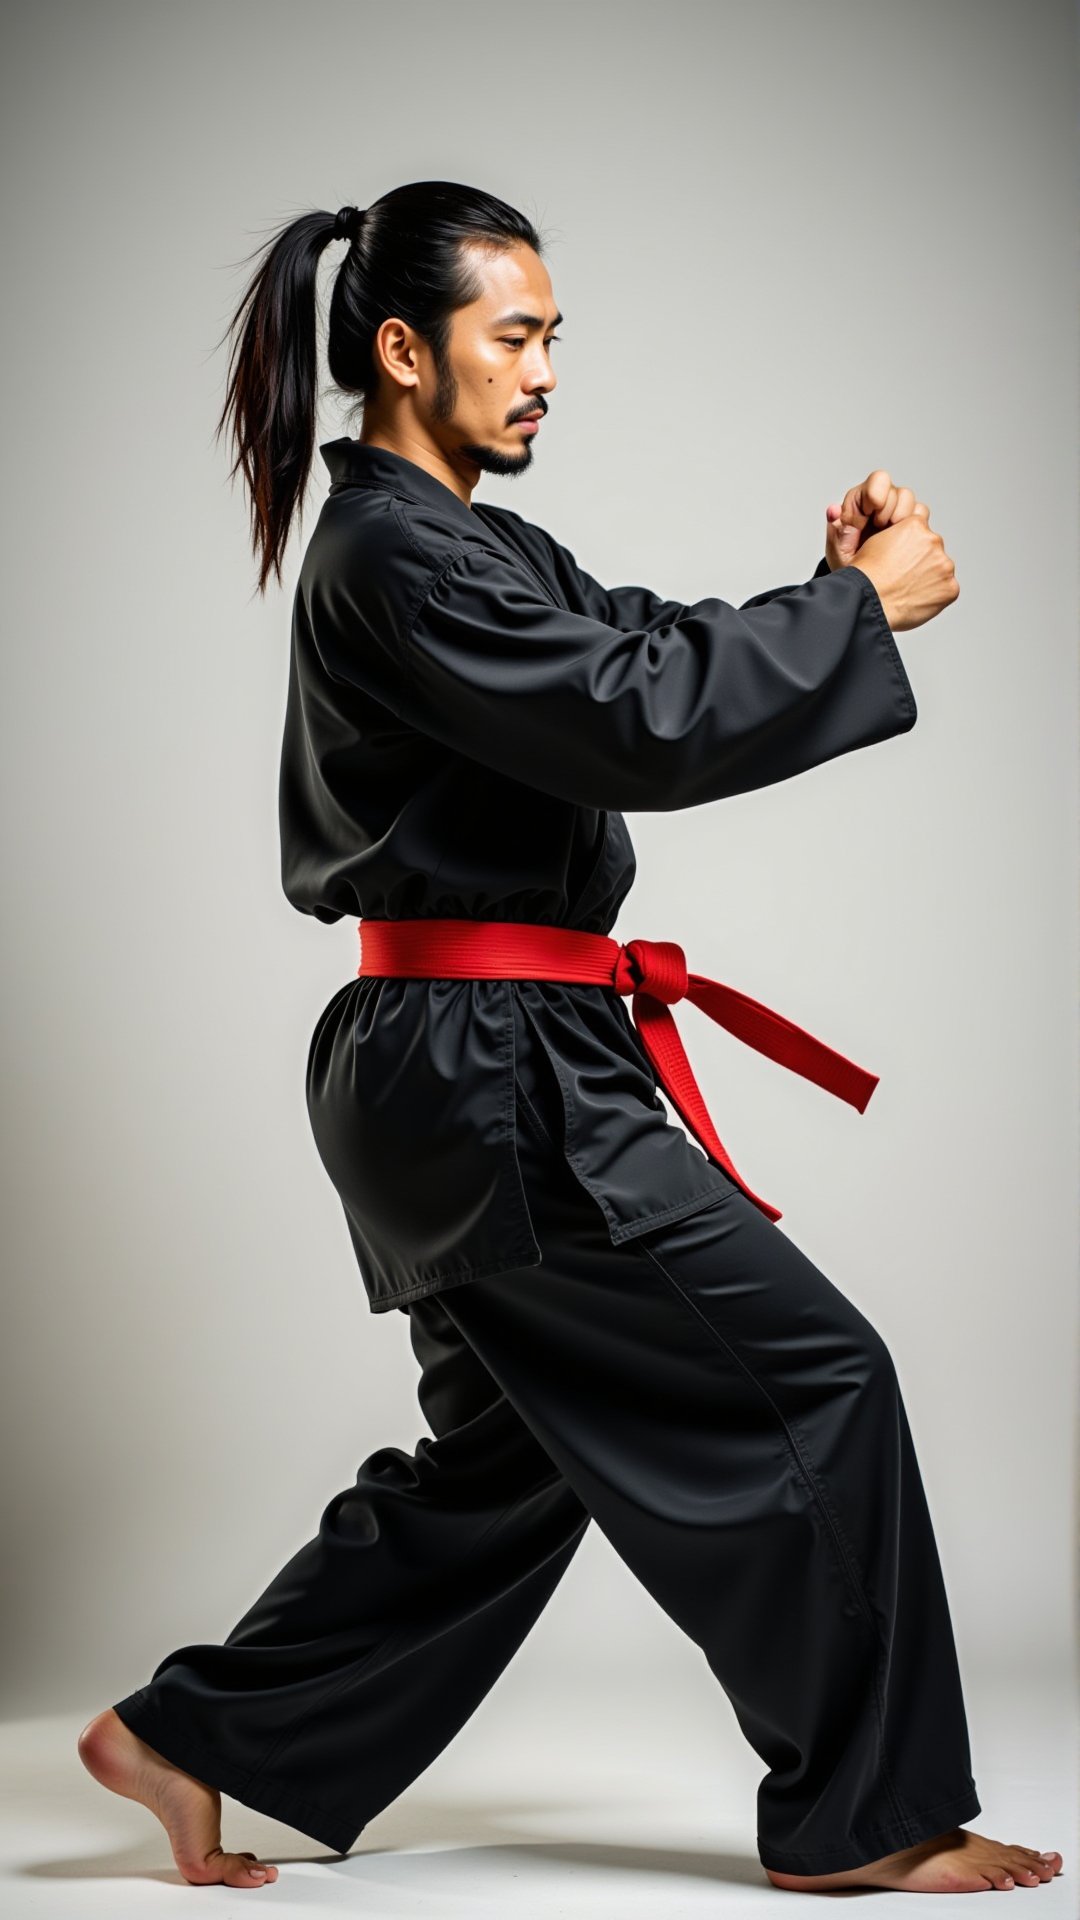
[[518, 319]]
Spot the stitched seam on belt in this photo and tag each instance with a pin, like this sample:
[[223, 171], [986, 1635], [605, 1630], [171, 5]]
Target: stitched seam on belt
[[809, 1480]]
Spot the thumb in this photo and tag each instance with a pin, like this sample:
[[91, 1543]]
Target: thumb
[[841, 541]]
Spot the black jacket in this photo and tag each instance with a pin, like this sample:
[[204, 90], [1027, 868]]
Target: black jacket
[[468, 712]]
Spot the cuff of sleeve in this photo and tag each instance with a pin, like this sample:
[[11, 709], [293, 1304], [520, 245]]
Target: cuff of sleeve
[[874, 607]]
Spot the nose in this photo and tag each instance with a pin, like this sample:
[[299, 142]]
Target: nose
[[547, 379], [534, 397]]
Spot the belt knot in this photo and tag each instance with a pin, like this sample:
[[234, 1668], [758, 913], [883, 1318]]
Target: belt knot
[[657, 967]]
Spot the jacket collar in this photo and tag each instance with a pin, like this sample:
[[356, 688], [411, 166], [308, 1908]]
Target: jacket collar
[[357, 464]]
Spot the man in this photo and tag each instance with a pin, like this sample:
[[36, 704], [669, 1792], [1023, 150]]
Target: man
[[609, 1324]]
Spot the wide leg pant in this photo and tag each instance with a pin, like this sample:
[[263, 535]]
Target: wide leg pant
[[735, 1427]]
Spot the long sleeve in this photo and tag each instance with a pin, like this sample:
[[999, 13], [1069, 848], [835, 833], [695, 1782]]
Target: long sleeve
[[639, 607], [772, 593], [633, 606], [715, 702]]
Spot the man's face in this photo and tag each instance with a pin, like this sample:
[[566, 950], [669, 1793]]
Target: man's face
[[499, 365]]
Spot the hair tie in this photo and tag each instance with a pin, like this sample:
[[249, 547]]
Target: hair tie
[[347, 223]]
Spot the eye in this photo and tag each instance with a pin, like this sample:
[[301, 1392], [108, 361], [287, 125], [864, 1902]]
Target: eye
[[518, 340]]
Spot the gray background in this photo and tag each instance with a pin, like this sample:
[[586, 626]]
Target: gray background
[[793, 242]]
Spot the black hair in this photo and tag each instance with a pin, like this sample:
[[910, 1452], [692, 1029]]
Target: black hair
[[405, 259]]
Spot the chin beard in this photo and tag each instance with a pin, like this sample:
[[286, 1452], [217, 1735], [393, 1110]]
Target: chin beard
[[490, 460]]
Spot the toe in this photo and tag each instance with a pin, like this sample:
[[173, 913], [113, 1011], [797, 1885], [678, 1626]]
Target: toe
[[999, 1877], [218, 1868], [247, 1870], [1031, 1853]]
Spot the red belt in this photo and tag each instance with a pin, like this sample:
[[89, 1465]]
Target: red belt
[[653, 971]]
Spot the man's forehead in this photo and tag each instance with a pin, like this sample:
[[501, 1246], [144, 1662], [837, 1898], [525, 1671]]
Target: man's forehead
[[516, 291]]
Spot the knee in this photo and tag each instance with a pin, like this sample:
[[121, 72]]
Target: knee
[[853, 1351]]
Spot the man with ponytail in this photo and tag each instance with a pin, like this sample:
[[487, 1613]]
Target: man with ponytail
[[608, 1321]]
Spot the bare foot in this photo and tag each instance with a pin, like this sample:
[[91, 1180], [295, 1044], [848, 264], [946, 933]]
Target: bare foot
[[955, 1862], [188, 1809]]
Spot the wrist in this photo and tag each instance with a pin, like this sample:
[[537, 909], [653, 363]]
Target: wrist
[[882, 593]]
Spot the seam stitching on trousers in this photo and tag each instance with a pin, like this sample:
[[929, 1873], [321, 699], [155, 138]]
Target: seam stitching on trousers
[[809, 1481], [289, 1733], [873, 1833], [198, 1752]]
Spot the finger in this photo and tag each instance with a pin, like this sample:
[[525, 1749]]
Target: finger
[[864, 502], [875, 491], [852, 512], [903, 506], [887, 512]]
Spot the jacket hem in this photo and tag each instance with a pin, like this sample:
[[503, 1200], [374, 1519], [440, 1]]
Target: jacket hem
[[630, 1229], [526, 1257], [618, 1230]]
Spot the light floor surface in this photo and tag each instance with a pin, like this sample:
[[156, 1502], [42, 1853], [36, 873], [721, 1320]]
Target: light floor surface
[[559, 1800]]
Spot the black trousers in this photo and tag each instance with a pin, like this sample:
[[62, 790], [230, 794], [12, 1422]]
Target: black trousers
[[735, 1427]]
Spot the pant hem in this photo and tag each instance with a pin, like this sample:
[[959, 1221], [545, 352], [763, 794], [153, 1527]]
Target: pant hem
[[875, 1841], [336, 1830]]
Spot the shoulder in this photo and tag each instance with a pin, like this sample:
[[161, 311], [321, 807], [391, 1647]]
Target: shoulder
[[514, 527], [374, 555], [535, 544]]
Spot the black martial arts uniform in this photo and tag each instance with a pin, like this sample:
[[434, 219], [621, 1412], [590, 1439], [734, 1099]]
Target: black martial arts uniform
[[606, 1326]]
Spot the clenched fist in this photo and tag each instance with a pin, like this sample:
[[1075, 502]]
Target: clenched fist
[[885, 530]]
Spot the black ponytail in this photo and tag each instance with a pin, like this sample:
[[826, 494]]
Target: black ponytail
[[404, 260]]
